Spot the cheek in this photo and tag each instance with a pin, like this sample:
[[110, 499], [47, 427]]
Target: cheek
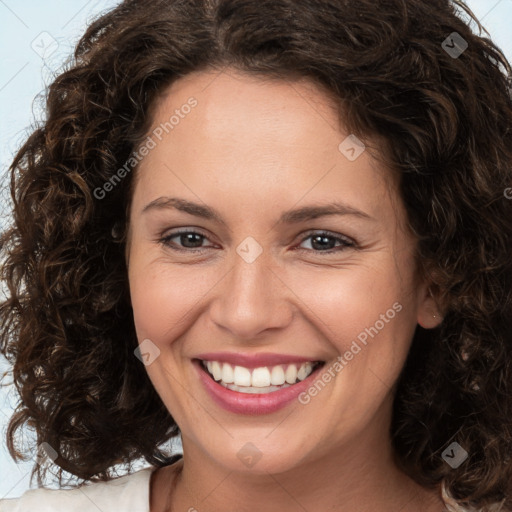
[[345, 302], [367, 315], [163, 299], [163, 302]]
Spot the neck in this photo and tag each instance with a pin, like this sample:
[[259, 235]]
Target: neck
[[360, 476]]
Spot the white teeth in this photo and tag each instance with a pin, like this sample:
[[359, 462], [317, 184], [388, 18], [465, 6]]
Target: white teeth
[[253, 390], [216, 371], [304, 371], [291, 374], [260, 377], [227, 373], [259, 380], [277, 376], [242, 376]]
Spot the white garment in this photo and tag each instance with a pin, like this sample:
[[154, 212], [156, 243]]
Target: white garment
[[129, 493]]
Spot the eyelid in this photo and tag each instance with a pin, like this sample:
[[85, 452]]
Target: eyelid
[[347, 242], [164, 240], [326, 232]]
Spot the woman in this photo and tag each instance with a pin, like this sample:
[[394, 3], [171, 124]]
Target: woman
[[283, 230]]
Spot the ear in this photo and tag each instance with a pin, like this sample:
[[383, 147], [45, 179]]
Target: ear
[[429, 314]]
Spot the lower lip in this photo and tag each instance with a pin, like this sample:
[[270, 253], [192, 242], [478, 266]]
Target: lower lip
[[246, 403]]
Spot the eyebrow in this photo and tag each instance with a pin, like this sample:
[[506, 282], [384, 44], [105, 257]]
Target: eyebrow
[[289, 217]]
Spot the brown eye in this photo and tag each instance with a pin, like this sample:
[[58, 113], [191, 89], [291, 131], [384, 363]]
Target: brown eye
[[186, 240], [325, 242]]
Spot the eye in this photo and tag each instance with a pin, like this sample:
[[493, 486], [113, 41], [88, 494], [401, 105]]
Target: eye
[[324, 242], [190, 239], [321, 241]]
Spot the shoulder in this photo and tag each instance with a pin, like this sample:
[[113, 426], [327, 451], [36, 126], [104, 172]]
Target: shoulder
[[129, 493]]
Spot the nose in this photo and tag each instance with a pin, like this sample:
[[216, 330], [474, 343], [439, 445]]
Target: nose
[[251, 299]]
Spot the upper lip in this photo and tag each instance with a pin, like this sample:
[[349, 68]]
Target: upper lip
[[249, 360]]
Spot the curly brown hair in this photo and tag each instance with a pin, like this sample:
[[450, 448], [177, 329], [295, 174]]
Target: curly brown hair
[[445, 122]]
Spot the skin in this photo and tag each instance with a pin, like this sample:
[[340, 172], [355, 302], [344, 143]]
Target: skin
[[252, 149]]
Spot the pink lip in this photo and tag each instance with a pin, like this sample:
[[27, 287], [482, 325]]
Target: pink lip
[[253, 360], [245, 403]]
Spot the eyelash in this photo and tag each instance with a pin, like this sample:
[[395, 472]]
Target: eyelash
[[346, 242]]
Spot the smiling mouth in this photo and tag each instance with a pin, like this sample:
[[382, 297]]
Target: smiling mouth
[[265, 379]]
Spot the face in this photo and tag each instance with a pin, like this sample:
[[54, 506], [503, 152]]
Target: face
[[266, 246]]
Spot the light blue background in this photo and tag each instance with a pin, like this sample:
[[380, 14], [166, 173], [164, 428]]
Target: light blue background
[[24, 74]]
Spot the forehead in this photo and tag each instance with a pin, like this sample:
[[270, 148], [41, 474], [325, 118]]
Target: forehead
[[250, 113], [269, 139]]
